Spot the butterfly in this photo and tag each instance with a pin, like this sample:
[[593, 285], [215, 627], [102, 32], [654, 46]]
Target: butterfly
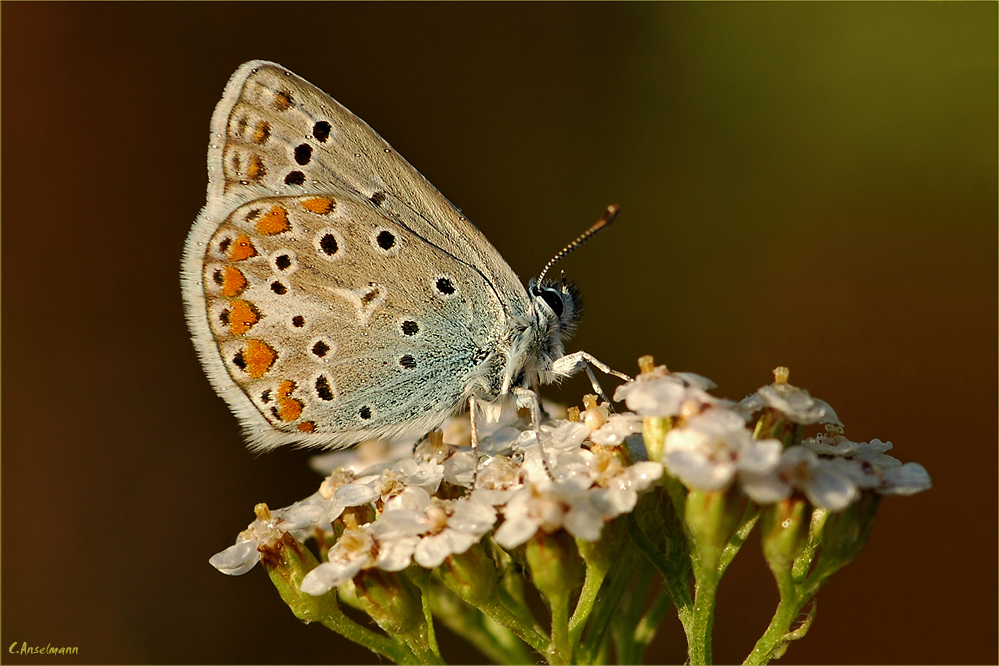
[[335, 296]]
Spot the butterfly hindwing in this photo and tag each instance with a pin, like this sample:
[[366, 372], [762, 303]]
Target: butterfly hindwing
[[335, 323]]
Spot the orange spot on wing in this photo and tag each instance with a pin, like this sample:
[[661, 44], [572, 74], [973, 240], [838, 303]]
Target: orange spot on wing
[[261, 133], [282, 100], [241, 317], [233, 281], [241, 249], [319, 205], [259, 357], [289, 409], [274, 221], [285, 388], [255, 169], [307, 426]]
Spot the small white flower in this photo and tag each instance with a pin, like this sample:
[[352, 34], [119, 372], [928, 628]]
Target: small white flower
[[431, 533], [351, 553], [392, 484], [239, 558], [433, 449], [793, 402], [822, 482], [549, 506], [617, 429], [713, 447], [867, 465], [617, 485], [453, 527], [840, 446], [303, 517], [567, 435], [909, 479], [661, 393], [459, 469], [336, 480], [498, 480], [560, 464]]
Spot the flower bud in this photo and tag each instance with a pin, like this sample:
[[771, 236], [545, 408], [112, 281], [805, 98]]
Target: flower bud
[[654, 430], [602, 553], [556, 567], [287, 562], [472, 575], [391, 599], [712, 516], [784, 527], [774, 424], [846, 532]]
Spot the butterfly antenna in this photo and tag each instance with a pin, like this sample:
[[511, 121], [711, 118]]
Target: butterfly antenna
[[603, 222]]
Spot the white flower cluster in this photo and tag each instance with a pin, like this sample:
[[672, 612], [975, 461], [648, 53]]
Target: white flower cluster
[[710, 447], [425, 508], [415, 501]]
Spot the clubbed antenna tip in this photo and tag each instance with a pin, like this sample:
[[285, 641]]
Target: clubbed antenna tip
[[608, 217]]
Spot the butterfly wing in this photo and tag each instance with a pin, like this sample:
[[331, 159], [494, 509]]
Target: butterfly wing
[[275, 133], [334, 295]]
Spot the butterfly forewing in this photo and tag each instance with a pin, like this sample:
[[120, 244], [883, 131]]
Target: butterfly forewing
[[283, 135]]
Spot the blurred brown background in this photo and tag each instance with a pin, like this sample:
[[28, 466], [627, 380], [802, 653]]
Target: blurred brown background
[[813, 185]]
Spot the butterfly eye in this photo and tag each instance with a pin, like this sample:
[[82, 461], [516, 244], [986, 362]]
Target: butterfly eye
[[553, 299]]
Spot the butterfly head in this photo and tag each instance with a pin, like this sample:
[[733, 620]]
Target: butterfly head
[[558, 307]]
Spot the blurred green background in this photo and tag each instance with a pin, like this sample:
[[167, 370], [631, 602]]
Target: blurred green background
[[810, 185]]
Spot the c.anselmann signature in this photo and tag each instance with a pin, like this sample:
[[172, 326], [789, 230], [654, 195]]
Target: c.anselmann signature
[[48, 649]]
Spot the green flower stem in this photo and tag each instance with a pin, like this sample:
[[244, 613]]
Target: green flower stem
[[793, 598], [703, 617], [560, 650], [803, 563], [617, 583], [674, 578], [775, 639], [420, 645], [421, 577], [746, 524], [472, 577], [837, 539], [628, 651], [677, 493], [516, 624], [654, 431], [511, 588], [287, 563], [492, 639], [596, 572]]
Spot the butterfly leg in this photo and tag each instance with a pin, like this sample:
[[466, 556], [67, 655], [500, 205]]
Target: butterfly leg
[[473, 407], [570, 364], [528, 398]]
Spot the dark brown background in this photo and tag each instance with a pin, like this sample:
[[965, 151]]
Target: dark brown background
[[813, 185]]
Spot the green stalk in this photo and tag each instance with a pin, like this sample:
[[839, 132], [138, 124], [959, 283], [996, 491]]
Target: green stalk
[[421, 577], [525, 631], [617, 584], [596, 572], [630, 616], [560, 650], [703, 617], [492, 639]]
